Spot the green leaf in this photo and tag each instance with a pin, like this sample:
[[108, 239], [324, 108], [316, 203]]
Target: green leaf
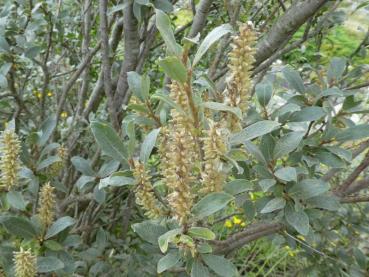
[[48, 161], [336, 69], [165, 29], [53, 245], [59, 225], [287, 174], [330, 159], [287, 144], [307, 114], [139, 85], [238, 186], [82, 165], [199, 270], [353, 133], [19, 226], [149, 231], [47, 129], [264, 93], [273, 205], [15, 199], [148, 144], [109, 141], [210, 39], [4, 45], [48, 264], [164, 239], [255, 130], [223, 107], [255, 151], [294, 79], [220, 265], [174, 68], [309, 188], [168, 261], [298, 220], [327, 202], [167, 100], [201, 233], [266, 184], [117, 179], [211, 203]]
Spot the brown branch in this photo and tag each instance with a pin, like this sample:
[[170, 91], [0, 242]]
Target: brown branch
[[131, 51], [342, 189], [286, 25], [355, 199], [106, 62], [199, 20]]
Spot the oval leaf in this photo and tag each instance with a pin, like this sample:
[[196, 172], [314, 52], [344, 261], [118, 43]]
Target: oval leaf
[[59, 225], [211, 203]]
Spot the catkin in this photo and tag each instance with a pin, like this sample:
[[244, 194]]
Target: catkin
[[46, 210], [241, 60], [180, 157], [144, 192], [25, 263], [55, 168], [214, 147], [9, 162]]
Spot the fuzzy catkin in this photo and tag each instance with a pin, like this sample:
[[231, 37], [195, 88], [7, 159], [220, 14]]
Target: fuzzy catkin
[[145, 196], [180, 157], [9, 161], [241, 60], [214, 147], [46, 210], [25, 263], [55, 168]]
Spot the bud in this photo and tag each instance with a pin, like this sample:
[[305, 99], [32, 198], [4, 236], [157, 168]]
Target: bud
[[25, 263], [46, 210], [56, 167], [9, 162]]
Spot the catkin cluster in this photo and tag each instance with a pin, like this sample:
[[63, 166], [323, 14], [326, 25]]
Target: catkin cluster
[[214, 147], [46, 210], [145, 196], [9, 162], [241, 59], [25, 263]]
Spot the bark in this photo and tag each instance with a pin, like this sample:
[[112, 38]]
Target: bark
[[131, 51], [199, 20], [286, 26], [106, 67]]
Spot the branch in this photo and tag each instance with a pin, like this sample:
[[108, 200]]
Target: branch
[[106, 62], [131, 51], [251, 233], [285, 27], [199, 20], [342, 189], [355, 199]]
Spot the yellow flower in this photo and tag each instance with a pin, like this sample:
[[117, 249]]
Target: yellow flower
[[243, 224], [228, 224], [237, 220], [64, 115], [39, 95], [49, 93], [252, 196]]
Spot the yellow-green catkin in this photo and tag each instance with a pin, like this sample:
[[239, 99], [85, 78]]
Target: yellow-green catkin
[[145, 196], [241, 60], [46, 210], [9, 161], [214, 147], [181, 156], [25, 263], [55, 168]]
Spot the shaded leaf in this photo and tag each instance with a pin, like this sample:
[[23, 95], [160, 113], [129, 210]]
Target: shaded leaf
[[211, 203], [255, 130], [148, 144], [273, 205], [59, 225]]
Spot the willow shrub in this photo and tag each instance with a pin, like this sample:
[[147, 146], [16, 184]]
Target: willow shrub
[[193, 157]]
